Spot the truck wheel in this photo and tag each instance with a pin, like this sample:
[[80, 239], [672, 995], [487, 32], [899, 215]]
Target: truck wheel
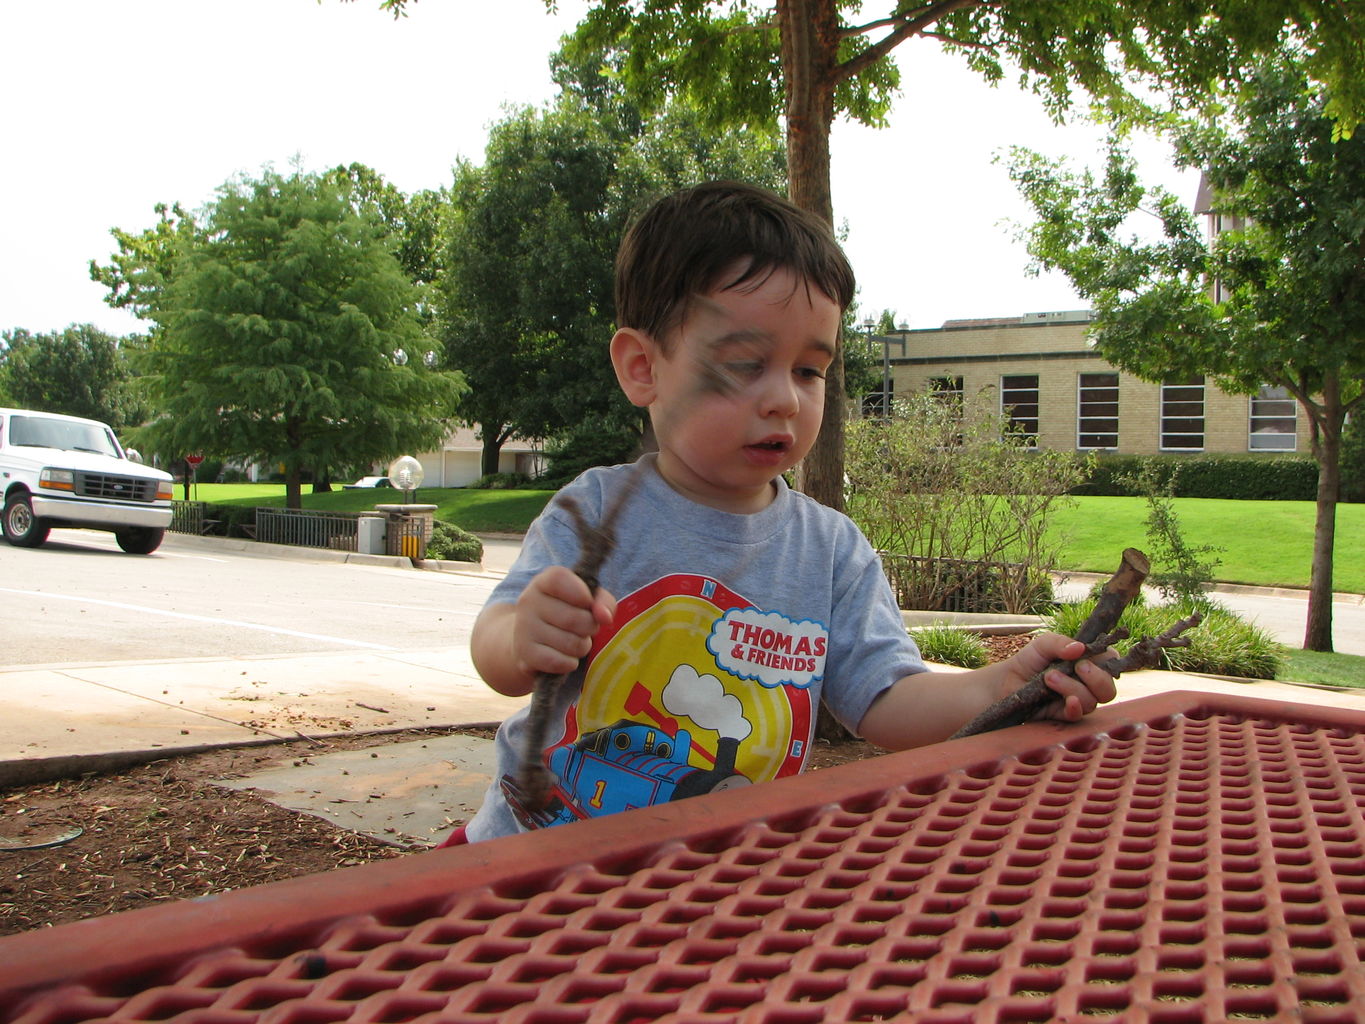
[[22, 528], [139, 540]]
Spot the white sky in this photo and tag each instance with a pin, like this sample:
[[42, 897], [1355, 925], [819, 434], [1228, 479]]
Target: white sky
[[112, 106]]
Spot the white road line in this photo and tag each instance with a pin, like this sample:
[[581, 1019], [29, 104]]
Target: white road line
[[200, 618]]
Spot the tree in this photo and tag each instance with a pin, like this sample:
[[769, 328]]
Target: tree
[[79, 371], [807, 61], [1278, 299], [279, 333], [529, 273], [528, 294], [751, 62]]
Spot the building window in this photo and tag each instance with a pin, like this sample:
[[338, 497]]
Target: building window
[[1274, 421], [1019, 401], [1097, 411], [949, 389], [1182, 414]]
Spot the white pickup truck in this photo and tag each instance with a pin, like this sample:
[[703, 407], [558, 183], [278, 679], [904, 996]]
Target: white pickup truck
[[66, 471]]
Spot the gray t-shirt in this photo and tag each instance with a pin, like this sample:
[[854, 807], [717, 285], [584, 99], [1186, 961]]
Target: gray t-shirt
[[728, 632]]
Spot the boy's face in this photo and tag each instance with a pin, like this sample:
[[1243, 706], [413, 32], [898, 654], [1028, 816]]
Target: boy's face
[[740, 395]]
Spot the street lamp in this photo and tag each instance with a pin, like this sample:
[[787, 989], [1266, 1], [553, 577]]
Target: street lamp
[[868, 326]]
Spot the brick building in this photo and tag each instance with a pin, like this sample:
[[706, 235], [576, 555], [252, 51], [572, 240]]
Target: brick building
[[1042, 369]]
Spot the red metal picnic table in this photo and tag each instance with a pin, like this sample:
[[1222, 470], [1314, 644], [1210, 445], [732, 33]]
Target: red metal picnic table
[[1184, 857]]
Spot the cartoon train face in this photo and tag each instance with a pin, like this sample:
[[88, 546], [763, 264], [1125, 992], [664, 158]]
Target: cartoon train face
[[629, 765]]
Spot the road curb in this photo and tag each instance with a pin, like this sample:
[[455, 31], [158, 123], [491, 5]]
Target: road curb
[[1297, 593], [261, 549], [39, 770]]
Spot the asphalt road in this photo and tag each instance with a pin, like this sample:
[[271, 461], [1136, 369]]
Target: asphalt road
[[78, 598]]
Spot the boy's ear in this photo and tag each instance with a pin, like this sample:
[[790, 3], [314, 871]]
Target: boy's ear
[[632, 355]]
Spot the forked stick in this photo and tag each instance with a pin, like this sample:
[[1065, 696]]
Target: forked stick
[[1035, 694]]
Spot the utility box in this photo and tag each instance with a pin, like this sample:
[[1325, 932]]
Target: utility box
[[369, 534]]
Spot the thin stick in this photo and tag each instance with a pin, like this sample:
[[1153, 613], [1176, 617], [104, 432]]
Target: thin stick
[[595, 544]]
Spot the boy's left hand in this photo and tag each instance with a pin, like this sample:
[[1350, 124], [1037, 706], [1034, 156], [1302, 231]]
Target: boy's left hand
[[1077, 695]]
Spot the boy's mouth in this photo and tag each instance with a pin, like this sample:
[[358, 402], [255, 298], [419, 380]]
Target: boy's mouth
[[769, 451]]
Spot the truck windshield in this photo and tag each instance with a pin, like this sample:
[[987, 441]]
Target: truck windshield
[[68, 435]]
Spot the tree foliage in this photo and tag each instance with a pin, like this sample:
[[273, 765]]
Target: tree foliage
[[528, 291], [747, 62], [79, 371], [1278, 298], [278, 332]]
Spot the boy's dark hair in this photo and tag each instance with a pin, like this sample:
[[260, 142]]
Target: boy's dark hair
[[692, 242]]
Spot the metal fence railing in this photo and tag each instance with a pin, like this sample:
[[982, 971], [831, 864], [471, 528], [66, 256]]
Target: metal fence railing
[[307, 528], [187, 517], [965, 585]]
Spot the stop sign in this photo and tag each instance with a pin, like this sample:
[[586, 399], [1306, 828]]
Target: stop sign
[[194, 460]]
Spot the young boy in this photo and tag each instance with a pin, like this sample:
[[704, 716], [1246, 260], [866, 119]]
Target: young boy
[[729, 605]]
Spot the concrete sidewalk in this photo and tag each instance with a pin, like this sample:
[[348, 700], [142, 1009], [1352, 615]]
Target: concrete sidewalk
[[65, 719]]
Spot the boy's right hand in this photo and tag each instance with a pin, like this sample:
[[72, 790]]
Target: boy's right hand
[[556, 618]]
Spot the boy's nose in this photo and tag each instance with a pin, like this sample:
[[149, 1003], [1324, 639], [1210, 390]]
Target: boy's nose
[[779, 396]]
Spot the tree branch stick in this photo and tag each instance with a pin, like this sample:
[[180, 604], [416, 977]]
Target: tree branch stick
[[1035, 694]]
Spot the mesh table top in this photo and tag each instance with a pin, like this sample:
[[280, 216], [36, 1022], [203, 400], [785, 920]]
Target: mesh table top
[[1187, 857]]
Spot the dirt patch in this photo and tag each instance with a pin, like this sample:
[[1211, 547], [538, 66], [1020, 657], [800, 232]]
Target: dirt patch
[[164, 831]]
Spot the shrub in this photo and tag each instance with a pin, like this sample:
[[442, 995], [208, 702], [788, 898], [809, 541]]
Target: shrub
[[596, 441], [1223, 644], [450, 543], [964, 585], [209, 471], [1227, 645], [1233, 477], [949, 486], [949, 645], [1179, 569], [502, 482]]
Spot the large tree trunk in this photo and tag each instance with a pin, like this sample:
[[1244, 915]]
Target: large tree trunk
[[491, 454], [810, 51], [1327, 449], [293, 486]]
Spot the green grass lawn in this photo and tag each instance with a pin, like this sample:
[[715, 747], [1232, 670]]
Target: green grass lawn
[[1267, 543], [1327, 669], [477, 511]]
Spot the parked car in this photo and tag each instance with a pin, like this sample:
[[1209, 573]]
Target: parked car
[[368, 481], [64, 471]]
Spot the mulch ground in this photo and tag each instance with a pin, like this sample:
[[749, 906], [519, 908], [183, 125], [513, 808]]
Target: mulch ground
[[164, 831]]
